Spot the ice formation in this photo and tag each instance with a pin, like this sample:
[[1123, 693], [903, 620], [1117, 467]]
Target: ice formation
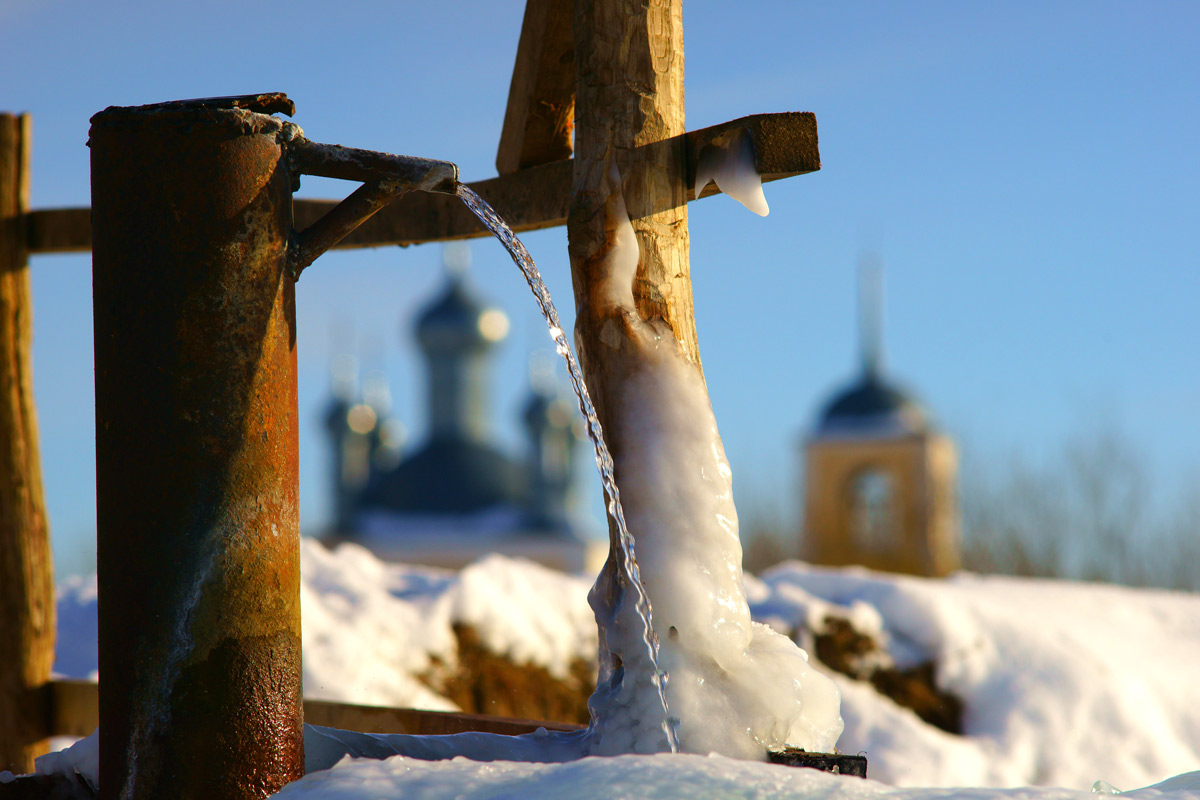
[[737, 687], [729, 161]]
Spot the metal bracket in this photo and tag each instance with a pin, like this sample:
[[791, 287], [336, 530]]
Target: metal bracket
[[385, 177]]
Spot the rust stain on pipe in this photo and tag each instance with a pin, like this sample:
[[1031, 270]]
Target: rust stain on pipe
[[196, 453]]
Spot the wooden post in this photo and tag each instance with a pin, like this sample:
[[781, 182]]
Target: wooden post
[[26, 571], [628, 106], [541, 98]]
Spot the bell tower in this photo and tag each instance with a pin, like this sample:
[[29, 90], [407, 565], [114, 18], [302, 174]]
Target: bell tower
[[881, 481]]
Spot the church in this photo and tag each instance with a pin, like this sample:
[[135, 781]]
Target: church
[[458, 495]]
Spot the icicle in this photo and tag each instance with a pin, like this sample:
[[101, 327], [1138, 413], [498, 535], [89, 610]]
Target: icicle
[[729, 161]]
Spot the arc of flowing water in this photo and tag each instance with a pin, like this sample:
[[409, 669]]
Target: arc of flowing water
[[604, 462]]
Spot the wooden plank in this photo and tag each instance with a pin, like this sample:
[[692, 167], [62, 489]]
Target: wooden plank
[[532, 199], [27, 608], [74, 708], [377, 719], [76, 712], [629, 117], [541, 98], [59, 230]]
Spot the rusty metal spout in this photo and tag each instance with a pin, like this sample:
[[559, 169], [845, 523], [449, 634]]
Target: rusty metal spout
[[353, 164], [385, 177]]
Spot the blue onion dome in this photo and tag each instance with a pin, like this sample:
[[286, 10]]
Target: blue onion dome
[[872, 406]]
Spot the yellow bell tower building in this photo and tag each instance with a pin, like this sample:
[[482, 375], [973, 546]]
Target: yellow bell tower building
[[881, 481]]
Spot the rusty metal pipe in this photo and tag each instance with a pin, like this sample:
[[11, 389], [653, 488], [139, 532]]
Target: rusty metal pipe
[[340, 221], [196, 453], [353, 164]]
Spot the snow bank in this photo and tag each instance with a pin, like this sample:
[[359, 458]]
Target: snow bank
[[632, 777], [82, 758], [1064, 683], [372, 629]]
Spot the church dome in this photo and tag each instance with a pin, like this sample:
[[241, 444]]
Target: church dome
[[457, 321], [871, 407]]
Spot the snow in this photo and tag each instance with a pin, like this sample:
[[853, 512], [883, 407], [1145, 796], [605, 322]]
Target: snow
[[1061, 681], [1064, 683], [82, 758], [653, 777], [371, 628], [509, 609]]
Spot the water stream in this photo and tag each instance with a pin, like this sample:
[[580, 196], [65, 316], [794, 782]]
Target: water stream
[[628, 558]]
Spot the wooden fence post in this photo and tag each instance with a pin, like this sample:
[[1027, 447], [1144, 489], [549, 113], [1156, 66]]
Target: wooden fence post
[[26, 571]]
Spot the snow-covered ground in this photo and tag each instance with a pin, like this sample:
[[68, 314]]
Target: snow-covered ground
[[1064, 683]]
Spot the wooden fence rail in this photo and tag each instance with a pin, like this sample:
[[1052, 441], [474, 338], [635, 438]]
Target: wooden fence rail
[[535, 198], [74, 710]]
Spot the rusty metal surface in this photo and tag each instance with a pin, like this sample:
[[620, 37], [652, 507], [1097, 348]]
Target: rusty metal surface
[[196, 454], [352, 164], [262, 103]]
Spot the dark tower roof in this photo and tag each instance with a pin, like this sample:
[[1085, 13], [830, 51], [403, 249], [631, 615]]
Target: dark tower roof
[[457, 470], [452, 322], [871, 405]]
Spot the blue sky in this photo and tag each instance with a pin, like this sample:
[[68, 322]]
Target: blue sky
[[1027, 172]]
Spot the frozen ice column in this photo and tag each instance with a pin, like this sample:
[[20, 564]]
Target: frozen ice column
[[737, 687]]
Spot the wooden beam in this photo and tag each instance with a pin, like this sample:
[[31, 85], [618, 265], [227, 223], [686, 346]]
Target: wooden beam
[[74, 708], [26, 572], [59, 230], [630, 116], [630, 119], [541, 98], [76, 712], [377, 719], [532, 199]]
